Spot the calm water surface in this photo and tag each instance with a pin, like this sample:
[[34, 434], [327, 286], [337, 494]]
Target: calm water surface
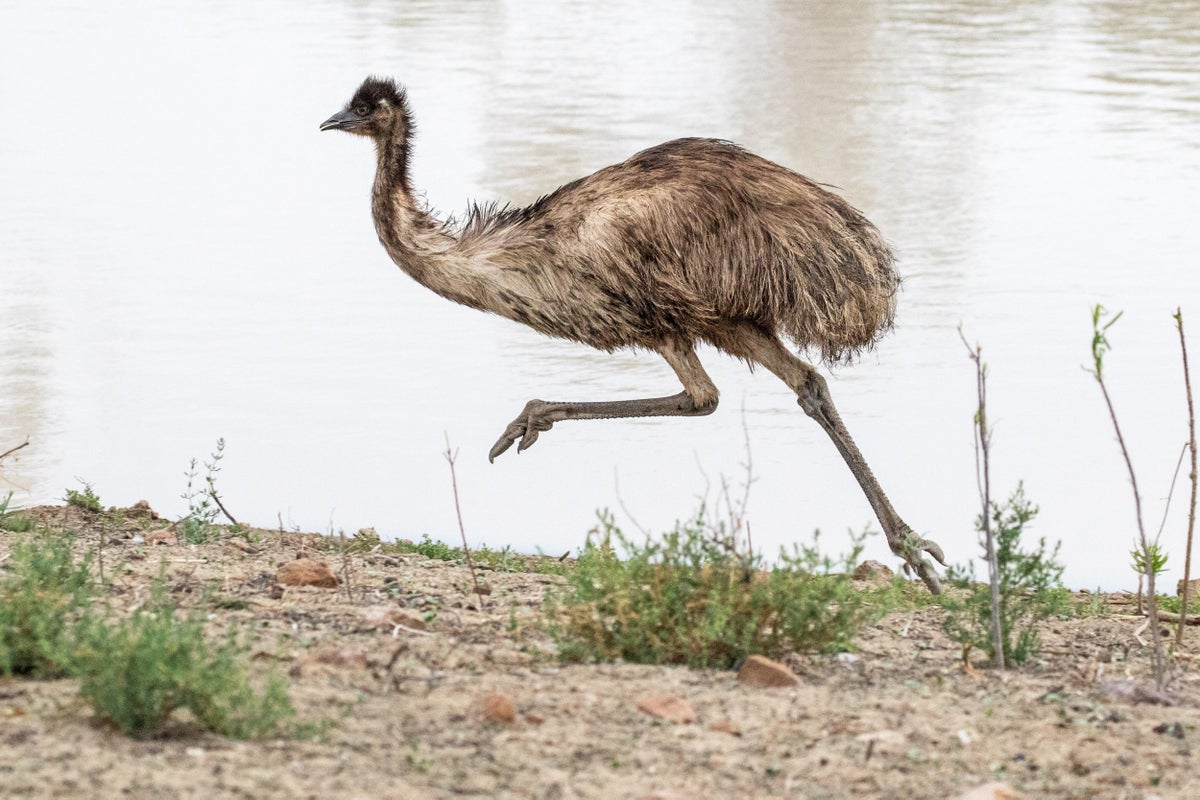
[[183, 256]]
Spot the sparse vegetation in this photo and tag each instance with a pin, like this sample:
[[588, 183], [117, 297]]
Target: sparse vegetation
[[137, 671], [694, 598], [43, 593], [204, 505], [11, 520], [1030, 584], [88, 500]]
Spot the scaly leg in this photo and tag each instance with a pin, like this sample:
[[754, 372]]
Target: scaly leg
[[813, 396], [699, 397]]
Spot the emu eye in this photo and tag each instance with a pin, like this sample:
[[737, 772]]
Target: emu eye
[[362, 110]]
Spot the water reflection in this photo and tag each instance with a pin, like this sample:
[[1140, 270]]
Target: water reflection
[[185, 257]]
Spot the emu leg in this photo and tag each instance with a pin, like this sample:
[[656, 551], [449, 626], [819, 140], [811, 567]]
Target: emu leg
[[699, 397], [813, 396]]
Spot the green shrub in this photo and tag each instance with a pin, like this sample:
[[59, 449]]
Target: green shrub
[[11, 521], [43, 593], [1030, 587], [88, 500], [139, 670], [693, 599]]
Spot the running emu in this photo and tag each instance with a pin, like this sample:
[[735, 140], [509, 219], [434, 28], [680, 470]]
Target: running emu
[[695, 240]]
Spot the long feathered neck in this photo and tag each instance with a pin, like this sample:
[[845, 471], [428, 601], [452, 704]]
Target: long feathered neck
[[419, 243]]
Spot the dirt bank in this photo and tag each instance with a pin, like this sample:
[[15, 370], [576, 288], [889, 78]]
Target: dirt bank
[[401, 655]]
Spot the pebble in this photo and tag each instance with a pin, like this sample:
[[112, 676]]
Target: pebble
[[671, 708]]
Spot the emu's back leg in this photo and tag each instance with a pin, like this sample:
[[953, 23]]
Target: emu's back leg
[[699, 397], [813, 396]]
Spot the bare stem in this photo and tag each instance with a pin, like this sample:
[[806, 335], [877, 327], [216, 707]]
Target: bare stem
[[983, 440], [1100, 346], [216, 499], [451, 456], [10, 451], [1187, 559]]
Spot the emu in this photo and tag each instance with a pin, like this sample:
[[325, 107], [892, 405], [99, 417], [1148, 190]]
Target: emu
[[693, 240]]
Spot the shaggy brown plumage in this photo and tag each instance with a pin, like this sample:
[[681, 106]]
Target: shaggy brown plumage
[[692, 240]]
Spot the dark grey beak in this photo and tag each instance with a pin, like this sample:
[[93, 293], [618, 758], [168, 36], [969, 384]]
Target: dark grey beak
[[341, 121]]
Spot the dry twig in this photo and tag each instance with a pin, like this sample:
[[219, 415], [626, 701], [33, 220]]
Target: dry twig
[[450, 458], [12, 450], [1187, 559], [983, 441], [1100, 346]]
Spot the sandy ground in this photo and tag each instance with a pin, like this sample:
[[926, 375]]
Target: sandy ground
[[900, 718]]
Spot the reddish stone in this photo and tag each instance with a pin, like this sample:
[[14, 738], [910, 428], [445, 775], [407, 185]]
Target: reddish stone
[[765, 673], [306, 572], [725, 726], [162, 536], [498, 709], [668, 707]]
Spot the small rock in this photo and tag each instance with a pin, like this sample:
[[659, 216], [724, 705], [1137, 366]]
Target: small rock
[[306, 572], [498, 709], [141, 509], [162, 536], [873, 571], [323, 660], [668, 707], [849, 660], [1193, 588], [725, 726], [1175, 730], [765, 673], [990, 791], [386, 618], [534, 719]]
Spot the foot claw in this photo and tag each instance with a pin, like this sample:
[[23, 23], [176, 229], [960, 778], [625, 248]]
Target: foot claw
[[910, 548], [525, 427]]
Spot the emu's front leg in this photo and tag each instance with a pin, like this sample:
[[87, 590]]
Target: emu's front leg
[[699, 397]]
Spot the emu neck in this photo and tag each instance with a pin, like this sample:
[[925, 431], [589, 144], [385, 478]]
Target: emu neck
[[415, 240]]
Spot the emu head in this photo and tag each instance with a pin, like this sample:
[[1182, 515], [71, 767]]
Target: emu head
[[377, 109]]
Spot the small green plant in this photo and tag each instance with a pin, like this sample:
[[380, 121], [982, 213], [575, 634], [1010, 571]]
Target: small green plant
[[136, 672], [502, 560], [10, 520], [1138, 562], [693, 598], [199, 525], [88, 500], [43, 593], [1100, 347], [1030, 587]]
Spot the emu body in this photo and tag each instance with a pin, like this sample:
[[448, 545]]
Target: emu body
[[694, 240]]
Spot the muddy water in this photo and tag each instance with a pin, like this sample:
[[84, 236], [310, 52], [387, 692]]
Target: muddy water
[[183, 256]]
